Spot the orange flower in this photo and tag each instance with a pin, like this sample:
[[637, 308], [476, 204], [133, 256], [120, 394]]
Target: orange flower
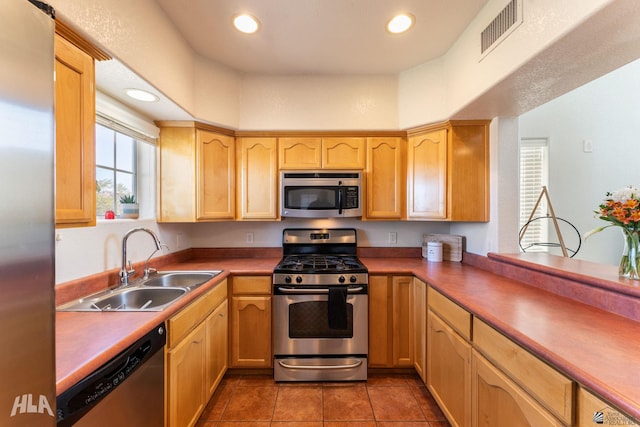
[[618, 212], [630, 204], [635, 216]]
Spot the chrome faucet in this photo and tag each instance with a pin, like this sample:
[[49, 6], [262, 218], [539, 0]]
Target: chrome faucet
[[124, 271]]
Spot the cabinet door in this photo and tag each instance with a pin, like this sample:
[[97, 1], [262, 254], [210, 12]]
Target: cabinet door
[[419, 310], [468, 193], [449, 371], [258, 180], [499, 402], [343, 153], [427, 175], [217, 327], [216, 176], [402, 322], [75, 136], [380, 344], [385, 178], [299, 153], [177, 174], [251, 332], [589, 407], [186, 379]]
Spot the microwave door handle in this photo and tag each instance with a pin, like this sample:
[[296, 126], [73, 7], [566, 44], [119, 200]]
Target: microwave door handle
[[340, 198]]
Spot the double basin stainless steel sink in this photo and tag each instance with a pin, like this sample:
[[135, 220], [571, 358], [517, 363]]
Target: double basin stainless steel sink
[[152, 294]]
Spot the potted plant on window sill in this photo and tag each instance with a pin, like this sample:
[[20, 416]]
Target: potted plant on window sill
[[128, 207]]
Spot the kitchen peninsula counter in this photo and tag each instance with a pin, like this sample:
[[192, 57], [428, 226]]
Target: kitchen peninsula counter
[[596, 348]]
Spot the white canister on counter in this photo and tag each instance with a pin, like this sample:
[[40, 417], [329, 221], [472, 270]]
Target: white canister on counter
[[434, 251]]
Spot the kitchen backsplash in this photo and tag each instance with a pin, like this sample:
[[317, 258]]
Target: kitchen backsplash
[[82, 252]]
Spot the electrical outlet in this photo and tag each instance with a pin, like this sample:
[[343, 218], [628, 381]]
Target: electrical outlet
[[249, 237], [393, 238], [587, 146]]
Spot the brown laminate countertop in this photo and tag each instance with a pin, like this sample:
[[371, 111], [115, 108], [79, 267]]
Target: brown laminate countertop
[[598, 349]]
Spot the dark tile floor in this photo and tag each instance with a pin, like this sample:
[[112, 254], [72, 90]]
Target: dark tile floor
[[383, 401]]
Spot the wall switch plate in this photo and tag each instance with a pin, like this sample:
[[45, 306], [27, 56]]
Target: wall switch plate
[[249, 237], [393, 238], [587, 146]]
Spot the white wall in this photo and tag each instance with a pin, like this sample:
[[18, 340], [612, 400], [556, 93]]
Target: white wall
[[82, 252], [85, 251], [318, 102], [141, 36], [269, 234], [606, 112]]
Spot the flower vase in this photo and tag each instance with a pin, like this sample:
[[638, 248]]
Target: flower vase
[[630, 262]]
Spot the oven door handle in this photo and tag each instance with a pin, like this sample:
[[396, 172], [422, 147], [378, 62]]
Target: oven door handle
[[317, 367], [289, 290]]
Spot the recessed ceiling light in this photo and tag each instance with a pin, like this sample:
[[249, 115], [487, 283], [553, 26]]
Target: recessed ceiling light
[[246, 23], [141, 95], [400, 23]]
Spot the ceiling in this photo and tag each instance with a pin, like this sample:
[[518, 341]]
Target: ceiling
[[300, 37], [321, 36]]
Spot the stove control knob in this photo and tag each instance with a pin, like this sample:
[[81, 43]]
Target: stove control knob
[[353, 279], [287, 279], [341, 279], [299, 279]]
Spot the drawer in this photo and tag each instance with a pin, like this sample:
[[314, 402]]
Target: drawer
[[551, 388], [457, 317], [589, 404], [189, 317], [251, 285]]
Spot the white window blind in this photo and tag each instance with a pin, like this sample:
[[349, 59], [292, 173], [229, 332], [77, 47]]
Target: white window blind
[[534, 162]]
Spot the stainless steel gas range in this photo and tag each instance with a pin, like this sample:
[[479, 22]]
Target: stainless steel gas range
[[320, 307]]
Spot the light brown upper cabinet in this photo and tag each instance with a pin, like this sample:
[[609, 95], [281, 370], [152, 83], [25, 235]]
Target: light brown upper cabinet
[[75, 115], [196, 170], [216, 176], [427, 175], [75, 135], [385, 178], [448, 171], [322, 152], [257, 167]]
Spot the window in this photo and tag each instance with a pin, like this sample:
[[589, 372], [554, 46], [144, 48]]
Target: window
[[116, 169], [534, 161]]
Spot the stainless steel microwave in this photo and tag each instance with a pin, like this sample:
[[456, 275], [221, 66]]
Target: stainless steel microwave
[[321, 194]]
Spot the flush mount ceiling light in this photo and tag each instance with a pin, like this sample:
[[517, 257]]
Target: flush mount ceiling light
[[141, 95], [246, 23], [400, 23]]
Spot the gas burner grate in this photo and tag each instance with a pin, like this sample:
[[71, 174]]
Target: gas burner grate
[[319, 262]]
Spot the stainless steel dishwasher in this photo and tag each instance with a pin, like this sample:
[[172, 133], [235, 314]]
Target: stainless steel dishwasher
[[126, 391]]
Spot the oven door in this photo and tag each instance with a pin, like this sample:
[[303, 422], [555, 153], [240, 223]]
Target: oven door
[[301, 323]]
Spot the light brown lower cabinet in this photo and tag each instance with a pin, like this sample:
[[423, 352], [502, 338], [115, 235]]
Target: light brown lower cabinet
[[195, 356], [250, 339], [592, 411], [390, 321], [217, 329], [449, 371], [500, 402], [419, 312], [553, 390], [186, 386]]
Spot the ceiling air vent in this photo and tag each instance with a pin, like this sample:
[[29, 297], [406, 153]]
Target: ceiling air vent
[[501, 26]]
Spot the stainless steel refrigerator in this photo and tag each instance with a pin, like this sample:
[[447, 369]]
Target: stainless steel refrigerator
[[27, 365]]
